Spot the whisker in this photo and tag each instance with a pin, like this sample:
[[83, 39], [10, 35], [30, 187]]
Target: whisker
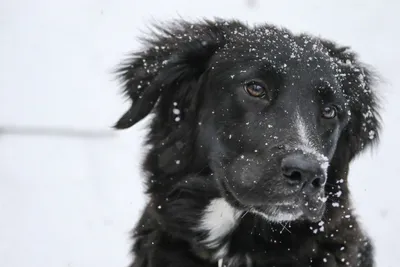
[[284, 228], [244, 214]]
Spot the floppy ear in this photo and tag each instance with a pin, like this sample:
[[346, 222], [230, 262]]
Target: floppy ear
[[358, 83], [176, 54]]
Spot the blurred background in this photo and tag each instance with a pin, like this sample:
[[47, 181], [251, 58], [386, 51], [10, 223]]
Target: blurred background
[[70, 187]]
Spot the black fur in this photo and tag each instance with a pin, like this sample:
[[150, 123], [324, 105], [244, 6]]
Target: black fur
[[200, 68]]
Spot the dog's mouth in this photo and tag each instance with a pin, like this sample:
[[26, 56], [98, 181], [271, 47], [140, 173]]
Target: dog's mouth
[[296, 207], [291, 211], [278, 212]]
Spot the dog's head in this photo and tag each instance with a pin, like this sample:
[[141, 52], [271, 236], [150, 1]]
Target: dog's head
[[274, 116]]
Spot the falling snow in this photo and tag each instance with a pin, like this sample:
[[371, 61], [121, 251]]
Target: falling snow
[[265, 47], [371, 134]]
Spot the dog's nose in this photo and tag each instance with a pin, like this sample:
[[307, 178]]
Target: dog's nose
[[303, 171]]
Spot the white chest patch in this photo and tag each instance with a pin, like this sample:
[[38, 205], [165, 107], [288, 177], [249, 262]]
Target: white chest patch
[[218, 220]]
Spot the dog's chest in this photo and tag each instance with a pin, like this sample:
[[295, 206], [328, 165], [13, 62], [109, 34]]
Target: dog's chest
[[220, 229], [218, 220]]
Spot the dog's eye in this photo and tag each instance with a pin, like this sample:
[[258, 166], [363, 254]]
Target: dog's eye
[[329, 112], [255, 89]]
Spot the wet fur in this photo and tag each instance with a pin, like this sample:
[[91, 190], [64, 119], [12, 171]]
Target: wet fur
[[174, 66]]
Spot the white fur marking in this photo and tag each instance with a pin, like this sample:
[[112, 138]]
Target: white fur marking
[[222, 252], [303, 134], [307, 145], [219, 219], [324, 166]]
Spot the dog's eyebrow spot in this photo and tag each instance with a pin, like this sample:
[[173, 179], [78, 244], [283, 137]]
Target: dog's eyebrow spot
[[326, 90]]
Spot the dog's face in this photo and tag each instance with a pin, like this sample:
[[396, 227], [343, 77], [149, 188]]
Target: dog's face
[[272, 124], [268, 110]]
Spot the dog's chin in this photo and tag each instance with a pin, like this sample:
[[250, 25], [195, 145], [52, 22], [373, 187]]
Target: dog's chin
[[278, 213], [295, 209], [290, 212]]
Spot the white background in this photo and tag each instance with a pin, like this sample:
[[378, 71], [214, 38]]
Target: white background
[[72, 201]]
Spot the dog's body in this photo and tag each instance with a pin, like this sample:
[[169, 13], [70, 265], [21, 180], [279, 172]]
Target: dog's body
[[253, 134]]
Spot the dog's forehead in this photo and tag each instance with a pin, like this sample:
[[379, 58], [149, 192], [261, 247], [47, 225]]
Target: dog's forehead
[[301, 58], [279, 48], [276, 39]]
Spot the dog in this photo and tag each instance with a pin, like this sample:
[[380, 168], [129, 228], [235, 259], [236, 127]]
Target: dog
[[252, 134]]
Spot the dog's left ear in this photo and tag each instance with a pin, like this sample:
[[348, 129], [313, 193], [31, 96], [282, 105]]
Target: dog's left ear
[[358, 84], [175, 56], [166, 79]]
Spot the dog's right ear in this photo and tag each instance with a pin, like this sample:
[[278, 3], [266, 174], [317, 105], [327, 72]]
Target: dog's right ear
[[359, 86], [175, 54]]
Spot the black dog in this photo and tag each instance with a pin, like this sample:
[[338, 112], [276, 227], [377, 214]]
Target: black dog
[[253, 134]]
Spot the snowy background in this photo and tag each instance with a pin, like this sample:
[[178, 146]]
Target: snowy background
[[71, 200]]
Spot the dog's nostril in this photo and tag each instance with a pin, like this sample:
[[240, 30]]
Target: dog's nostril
[[293, 175], [317, 182]]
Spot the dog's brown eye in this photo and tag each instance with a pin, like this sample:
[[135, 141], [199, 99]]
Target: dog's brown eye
[[329, 112], [255, 89]]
